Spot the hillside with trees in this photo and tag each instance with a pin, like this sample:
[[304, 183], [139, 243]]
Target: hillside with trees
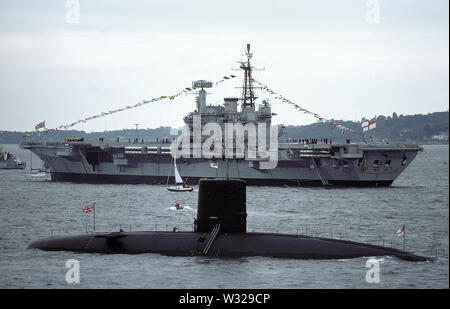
[[423, 129], [429, 128]]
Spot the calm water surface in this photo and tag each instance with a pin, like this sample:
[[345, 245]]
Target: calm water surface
[[31, 207]]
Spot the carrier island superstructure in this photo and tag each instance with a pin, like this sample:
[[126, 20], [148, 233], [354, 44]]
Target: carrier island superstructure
[[306, 162]]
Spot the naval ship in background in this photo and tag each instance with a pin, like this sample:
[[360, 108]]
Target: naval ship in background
[[8, 161], [304, 162]]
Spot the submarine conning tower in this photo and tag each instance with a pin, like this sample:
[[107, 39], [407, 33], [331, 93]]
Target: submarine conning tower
[[222, 205]]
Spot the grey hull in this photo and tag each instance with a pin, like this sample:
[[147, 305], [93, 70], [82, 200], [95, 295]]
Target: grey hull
[[133, 179], [11, 165], [114, 164]]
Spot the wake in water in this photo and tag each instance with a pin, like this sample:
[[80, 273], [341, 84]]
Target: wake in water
[[181, 208]]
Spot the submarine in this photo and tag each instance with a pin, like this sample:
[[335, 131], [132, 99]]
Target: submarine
[[220, 231]]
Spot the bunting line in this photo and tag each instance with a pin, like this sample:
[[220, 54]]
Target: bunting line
[[186, 90], [304, 110], [128, 107]]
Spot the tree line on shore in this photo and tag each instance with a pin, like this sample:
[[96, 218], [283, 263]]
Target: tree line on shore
[[420, 128]]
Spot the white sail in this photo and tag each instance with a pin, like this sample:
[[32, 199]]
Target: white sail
[[177, 174]]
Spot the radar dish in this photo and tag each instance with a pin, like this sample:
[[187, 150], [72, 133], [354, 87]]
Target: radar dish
[[202, 84]]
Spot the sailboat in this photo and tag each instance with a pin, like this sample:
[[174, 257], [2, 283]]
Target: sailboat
[[38, 172], [180, 186]]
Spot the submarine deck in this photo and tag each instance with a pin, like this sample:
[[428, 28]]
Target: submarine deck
[[226, 245]]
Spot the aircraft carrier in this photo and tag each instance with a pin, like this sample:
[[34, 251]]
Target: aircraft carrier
[[302, 162]]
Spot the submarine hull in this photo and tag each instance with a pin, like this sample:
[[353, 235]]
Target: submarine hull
[[220, 231], [226, 245]]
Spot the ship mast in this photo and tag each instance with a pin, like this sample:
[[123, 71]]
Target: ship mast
[[248, 90]]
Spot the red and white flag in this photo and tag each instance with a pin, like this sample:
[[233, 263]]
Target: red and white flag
[[214, 165], [89, 208], [40, 125], [401, 231], [369, 125]]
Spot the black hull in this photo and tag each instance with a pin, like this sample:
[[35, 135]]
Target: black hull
[[139, 179], [220, 231], [233, 245]]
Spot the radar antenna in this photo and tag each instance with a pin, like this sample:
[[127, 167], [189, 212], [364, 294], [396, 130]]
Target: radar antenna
[[201, 84]]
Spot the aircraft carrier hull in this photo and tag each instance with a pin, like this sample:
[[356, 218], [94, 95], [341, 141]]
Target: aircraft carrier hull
[[112, 164], [136, 179]]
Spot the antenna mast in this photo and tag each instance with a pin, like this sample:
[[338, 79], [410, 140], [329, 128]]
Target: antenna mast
[[248, 94], [248, 90]]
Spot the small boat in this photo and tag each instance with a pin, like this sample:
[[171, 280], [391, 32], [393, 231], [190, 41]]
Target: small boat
[[178, 206], [8, 161], [180, 186], [37, 174]]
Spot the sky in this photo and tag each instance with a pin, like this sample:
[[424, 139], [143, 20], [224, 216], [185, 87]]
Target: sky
[[65, 60]]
